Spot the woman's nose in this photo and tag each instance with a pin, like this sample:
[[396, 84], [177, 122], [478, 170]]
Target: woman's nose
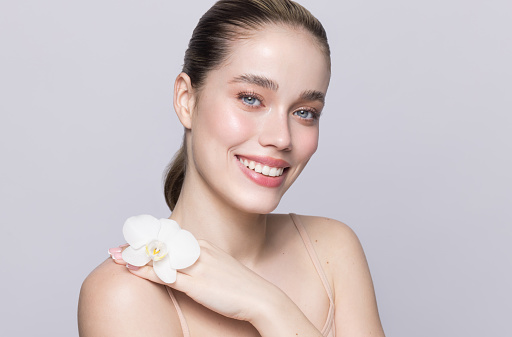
[[275, 131]]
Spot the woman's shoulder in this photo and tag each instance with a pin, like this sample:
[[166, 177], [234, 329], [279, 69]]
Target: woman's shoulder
[[114, 302], [343, 260], [324, 232], [329, 230], [337, 246]]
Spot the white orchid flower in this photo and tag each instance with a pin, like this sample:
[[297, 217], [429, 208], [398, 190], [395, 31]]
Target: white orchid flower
[[162, 241]]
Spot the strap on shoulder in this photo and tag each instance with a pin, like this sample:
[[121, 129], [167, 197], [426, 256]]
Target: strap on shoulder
[[183, 322]]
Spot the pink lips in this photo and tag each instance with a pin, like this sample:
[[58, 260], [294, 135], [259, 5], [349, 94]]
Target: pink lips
[[269, 161], [259, 178]]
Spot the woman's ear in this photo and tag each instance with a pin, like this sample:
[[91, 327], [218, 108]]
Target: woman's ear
[[184, 99]]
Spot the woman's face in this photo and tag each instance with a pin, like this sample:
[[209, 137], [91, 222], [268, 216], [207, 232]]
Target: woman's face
[[256, 123]]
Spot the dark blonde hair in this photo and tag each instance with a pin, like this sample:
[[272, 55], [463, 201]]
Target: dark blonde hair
[[227, 21]]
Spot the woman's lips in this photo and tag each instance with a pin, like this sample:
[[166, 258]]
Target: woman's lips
[[264, 171], [266, 161]]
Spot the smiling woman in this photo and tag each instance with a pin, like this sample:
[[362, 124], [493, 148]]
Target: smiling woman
[[253, 108], [250, 105]]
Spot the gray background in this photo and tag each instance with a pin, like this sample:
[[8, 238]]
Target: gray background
[[415, 150]]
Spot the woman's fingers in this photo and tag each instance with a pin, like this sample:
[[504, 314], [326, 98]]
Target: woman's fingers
[[148, 272], [116, 254]]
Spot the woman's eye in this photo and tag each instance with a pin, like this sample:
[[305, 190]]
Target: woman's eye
[[305, 114], [251, 100]]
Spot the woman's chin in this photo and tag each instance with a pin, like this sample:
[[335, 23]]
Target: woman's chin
[[257, 205]]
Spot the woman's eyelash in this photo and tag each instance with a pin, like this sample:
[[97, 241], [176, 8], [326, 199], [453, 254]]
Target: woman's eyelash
[[250, 99], [253, 100], [300, 113]]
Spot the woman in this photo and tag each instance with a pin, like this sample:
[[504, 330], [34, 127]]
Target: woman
[[249, 97]]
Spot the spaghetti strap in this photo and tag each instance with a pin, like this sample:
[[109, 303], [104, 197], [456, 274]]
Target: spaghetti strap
[[328, 329], [183, 322]]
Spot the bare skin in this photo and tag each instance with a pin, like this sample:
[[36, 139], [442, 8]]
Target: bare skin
[[254, 276], [116, 303]]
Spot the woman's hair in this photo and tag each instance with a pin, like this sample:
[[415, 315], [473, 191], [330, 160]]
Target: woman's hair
[[224, 23]]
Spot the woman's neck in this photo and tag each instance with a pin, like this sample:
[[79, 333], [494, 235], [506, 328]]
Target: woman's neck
[[240, 234]]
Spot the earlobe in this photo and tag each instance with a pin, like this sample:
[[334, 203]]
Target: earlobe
[[184, 99]]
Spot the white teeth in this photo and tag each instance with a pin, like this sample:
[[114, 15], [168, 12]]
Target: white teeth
[[263, 169]]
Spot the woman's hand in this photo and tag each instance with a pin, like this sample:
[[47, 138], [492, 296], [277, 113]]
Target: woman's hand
[[219, 282]]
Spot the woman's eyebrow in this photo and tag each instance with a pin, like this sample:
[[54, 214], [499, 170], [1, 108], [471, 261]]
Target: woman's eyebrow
[[265, 82], [313, 95], [258, 80]]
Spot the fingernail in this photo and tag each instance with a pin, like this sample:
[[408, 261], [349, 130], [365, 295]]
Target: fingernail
[[124, 246], [114, 250], [132, 267], [117, 256]]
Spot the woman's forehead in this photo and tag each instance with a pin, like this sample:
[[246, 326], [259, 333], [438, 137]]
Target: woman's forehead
[[277, 57]]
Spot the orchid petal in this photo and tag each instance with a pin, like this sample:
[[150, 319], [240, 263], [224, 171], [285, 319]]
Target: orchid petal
[[139, 230], [136, 257], [183, 250], [164, 270], [168, 230]]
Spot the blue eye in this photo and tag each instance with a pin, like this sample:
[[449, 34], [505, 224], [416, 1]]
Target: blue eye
[[251, 100], [305, 114]]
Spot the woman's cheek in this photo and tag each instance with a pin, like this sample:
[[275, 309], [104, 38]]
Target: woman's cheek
[[307, 143], [312, 148], [235, 127]]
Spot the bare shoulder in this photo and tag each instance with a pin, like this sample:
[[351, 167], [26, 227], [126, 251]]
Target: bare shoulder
[[331, 237], [114, 302], [324, 232], [343, 259], [337, 246]]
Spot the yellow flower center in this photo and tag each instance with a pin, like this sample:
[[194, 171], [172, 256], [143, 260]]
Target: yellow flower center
[[156, 250]]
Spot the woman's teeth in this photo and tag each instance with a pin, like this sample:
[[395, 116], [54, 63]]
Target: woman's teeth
[[263, 169]]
